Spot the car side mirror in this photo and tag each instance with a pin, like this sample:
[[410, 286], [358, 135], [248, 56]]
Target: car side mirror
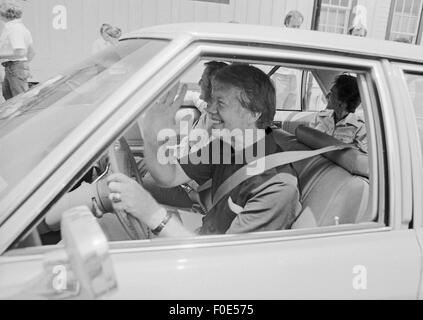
[[82, 270], [88, 251]]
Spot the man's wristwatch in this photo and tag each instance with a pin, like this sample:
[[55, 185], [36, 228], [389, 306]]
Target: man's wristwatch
[[166, 219]]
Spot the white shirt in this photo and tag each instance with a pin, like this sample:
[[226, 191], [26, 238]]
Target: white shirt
[[350, 130], [15, 36]]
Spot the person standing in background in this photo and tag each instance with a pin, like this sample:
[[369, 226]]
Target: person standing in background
[[294, 19], [109, 36], [359, 24], [16, 50], [286, 79]]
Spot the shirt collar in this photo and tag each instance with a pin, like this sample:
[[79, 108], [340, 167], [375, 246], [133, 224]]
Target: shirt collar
[[350, 119]]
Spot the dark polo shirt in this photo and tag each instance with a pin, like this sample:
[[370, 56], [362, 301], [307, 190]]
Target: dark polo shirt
[[265, 202]]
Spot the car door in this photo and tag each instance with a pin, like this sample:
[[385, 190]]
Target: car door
[[380, 259], [412, 76]]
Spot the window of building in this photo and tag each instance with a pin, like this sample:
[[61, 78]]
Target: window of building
[[404, 20], [334, 15]]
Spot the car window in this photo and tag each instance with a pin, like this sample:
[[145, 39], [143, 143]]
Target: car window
[[327, 199], [315, 99], [288, 88], [287, 82], [351, 205], [33, 124], [415, 87]]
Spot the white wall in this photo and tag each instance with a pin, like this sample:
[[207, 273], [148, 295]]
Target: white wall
[[59, 49], [377, 17]]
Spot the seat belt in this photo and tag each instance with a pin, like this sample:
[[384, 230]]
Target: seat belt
[[205, 186], [271, 161]]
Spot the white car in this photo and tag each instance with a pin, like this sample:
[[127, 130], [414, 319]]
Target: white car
[[365, 240]]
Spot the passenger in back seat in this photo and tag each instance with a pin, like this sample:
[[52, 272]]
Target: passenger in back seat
[[339, 119]]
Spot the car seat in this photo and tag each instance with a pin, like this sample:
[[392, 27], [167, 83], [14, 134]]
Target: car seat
[[334, 187]]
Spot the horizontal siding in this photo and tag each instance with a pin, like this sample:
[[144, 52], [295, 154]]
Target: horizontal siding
[[59, 49], [377, 17]]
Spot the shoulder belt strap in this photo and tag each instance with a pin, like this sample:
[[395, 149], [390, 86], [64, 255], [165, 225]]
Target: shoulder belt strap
[[270, 162]]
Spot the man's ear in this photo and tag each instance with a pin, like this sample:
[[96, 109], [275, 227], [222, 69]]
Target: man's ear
[[254, 116]]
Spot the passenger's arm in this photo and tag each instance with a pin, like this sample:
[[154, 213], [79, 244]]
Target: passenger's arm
[[315, 122], [360, 139]]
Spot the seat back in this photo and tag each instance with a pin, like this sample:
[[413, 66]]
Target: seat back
[[334, 187]]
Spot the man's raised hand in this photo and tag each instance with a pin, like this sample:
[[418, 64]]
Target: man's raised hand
[[161, 115]]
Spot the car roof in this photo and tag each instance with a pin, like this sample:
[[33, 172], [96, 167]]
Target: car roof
[[310, 39]]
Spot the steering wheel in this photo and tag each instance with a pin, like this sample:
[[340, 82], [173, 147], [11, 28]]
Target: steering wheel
[[121, 160]]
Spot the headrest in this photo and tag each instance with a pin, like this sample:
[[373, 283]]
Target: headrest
[[352, 160]]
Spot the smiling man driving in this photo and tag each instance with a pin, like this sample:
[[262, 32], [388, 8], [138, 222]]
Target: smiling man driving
[[243, 101]]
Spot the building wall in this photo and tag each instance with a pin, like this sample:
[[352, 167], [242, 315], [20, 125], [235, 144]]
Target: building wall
[[59, 49]]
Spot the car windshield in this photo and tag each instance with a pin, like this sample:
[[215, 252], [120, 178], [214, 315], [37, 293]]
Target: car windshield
[[34, 123]]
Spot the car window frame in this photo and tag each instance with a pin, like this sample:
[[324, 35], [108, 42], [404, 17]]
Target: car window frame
[[304, 88], [210, 50], [402, 69]]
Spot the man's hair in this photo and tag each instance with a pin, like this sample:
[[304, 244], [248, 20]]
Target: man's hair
[[211, 68], [293, 14], [10, 10], [257, 91], [348, 91], [112, 31]]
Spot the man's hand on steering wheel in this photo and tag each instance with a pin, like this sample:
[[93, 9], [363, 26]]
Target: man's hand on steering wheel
[[129, 196]]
